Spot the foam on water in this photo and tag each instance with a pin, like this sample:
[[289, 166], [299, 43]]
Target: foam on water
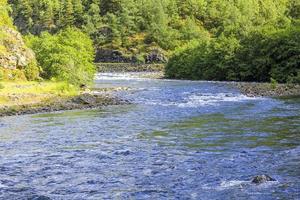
[[189, 99], [121, 76], [231, 184], [203, 99]]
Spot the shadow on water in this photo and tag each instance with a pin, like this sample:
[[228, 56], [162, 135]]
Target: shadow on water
[[216, 130]]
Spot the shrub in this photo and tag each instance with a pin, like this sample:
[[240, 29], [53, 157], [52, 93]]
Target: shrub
[[66, 56], [274, 83], [1, 74], [208, 60], [294, 79], [256, 57], [32, 71], [12, 75], [17, 75]]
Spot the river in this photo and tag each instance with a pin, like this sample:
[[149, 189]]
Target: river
[[177, 140]]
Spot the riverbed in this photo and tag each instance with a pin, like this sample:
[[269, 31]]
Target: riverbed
[[176, 140]]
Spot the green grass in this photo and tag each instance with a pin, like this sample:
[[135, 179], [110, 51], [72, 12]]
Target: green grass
[[29, 92]]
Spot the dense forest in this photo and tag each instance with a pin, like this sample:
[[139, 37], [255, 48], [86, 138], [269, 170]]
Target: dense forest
[[66, 56], [253, 40]]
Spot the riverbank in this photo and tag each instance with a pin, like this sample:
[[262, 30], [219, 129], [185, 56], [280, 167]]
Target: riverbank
[[251, 89], [18, 98], [268, 89], [130, 67]]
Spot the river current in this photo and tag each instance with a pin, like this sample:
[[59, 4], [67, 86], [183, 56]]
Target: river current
[[177, 140]]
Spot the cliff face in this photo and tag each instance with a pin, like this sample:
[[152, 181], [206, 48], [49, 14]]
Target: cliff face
[[13, 51]]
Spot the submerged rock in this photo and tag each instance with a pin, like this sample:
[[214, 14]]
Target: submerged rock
[[85, 99], [37, 197], [262, 179]]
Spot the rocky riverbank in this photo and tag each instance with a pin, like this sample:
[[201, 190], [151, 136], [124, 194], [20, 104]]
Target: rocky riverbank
[[82, 101], [129, 67], [268, 89]]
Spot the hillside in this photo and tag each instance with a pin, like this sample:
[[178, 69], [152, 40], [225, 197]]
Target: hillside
[[15, 57], [149, 31]]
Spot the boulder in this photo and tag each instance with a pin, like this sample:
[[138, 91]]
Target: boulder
[[85, 99], [114, 56], [14, 53], [156, 55], [262, 179]]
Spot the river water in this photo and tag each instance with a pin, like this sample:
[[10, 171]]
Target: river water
[[177, 140]]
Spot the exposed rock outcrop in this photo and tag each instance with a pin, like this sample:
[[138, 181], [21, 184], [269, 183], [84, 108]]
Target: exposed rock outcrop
[[268, 90], [114, 56], [156, 55], [153, 55], [262, 179], [13, 51]]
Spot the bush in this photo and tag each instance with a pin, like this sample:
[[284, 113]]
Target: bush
[[66, 56], [32, 72], [259, 56], [182, 64], [17, 75], [206, 60], [1, 74]]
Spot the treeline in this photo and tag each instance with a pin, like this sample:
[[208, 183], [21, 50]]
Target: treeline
[[136, 26], [260, 56], [262, 44], [132, 26], [207, 39], [66, 56]]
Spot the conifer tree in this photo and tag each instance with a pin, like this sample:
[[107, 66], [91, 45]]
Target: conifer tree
[[78, 11], [68, 13]]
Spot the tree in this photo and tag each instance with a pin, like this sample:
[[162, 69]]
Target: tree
[[110, 6], [67, 18], [78, 12], [46, 16], [24, 15], [67, 56]]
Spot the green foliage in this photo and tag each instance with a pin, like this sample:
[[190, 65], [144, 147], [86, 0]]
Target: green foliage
[[1, 74], [263, 55], [4, 17], [274, 83], [32, 72], [241, 40], [66, 56], [168, 24], [16, 75], [12, 75]]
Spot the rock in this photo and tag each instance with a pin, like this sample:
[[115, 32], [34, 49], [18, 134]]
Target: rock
[[83, 86], [15, 54], [114, 56], [103, 55], [156, 56], [262, 179], [86, 99], [37, 197], [124, 153]]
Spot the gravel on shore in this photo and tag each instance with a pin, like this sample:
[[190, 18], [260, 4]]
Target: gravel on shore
[[82, 101], [268, 89]]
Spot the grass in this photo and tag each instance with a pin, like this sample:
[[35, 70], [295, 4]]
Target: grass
[[29, 92]]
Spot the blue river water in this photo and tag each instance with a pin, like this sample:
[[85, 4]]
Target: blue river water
[[177, 140]]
